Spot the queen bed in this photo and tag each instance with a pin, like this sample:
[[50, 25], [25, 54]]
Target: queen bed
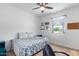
[[28, 46]]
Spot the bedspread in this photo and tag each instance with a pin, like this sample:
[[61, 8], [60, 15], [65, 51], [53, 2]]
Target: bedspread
[[28, 46]]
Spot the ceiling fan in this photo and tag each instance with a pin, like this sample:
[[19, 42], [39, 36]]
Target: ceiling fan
[[42, 7]]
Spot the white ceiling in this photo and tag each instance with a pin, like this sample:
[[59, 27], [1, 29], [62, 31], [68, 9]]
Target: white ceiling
[[29, 6]]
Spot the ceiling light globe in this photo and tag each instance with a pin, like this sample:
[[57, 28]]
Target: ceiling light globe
[[42, 8]]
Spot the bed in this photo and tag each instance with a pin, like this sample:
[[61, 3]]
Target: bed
[[28, 46]]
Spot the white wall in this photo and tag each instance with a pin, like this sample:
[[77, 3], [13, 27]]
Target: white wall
[[71, 37], [13, 20]]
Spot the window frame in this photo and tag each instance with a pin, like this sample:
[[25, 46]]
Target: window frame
[[62, 22]]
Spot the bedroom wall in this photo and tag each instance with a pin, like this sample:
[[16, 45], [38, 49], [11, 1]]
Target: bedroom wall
[[71, 37], [13, 20]]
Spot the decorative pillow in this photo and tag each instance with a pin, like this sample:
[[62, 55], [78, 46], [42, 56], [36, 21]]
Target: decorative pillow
[[22, 35], [39, 36], [31, 35]]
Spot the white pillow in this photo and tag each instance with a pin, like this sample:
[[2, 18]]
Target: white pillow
[[23, 35], [31, 35]]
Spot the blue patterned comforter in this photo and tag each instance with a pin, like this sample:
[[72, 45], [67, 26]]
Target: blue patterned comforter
[[29, 46]]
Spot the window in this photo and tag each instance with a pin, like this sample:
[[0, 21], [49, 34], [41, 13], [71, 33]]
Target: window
[[58, 24]]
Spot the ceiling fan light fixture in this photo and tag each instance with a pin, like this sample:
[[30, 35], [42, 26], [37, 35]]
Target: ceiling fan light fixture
[[42, 8]]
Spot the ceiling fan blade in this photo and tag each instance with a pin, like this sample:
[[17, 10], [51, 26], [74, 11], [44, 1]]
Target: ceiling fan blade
[[46, 3], [39, 4], [48, 7], [36, 8]]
